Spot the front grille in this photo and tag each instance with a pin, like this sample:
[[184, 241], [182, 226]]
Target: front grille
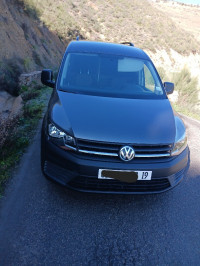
[[113, 185], [112, 149]]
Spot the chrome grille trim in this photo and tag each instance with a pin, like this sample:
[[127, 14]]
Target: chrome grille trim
[[112, 149], [152, 155], [116, 154], [99, 153], [71, 147]]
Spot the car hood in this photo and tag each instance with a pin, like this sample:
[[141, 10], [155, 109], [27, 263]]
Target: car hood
[[137, 121]]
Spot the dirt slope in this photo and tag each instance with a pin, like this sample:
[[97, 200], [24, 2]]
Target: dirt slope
[[24, 37]]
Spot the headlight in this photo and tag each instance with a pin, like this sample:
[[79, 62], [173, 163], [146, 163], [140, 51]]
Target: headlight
[[54, 132], [180, 145], [61, 139]]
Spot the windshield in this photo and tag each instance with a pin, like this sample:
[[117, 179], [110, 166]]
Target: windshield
[[111, 76]]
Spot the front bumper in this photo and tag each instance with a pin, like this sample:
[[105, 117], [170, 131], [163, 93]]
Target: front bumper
[[76, 172]]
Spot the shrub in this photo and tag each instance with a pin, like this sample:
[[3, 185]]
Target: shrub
[[33, 110], [27, 63], [29, 7], [10, 71], [6, 128], [187, 87], [30, 95]]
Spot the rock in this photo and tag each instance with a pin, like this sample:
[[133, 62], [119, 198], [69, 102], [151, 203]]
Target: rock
[[10, 106]]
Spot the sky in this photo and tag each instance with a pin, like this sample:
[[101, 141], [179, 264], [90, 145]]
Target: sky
[[194, 2]]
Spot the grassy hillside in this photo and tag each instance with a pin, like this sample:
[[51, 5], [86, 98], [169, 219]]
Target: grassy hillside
[[34, 33], [117, 20]]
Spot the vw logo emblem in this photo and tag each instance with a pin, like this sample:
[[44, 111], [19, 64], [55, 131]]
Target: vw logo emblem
[[126, 153]]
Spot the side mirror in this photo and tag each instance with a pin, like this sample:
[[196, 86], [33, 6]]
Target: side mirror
[[169, 87], [47, 78]]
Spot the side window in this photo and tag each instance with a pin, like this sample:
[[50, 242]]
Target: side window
[[149, 80]]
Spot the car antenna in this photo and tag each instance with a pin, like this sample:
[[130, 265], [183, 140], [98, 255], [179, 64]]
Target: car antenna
[[77, 38]]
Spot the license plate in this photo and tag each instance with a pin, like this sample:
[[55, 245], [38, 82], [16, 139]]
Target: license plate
[[124, 175]]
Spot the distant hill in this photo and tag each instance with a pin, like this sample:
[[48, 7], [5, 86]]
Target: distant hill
[[187, 17]]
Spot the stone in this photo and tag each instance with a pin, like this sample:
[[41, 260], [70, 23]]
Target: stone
[[10, 106]]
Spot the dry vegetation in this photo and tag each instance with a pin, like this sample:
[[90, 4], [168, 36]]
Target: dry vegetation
[[185, 16], [188, 90], [117, 20]]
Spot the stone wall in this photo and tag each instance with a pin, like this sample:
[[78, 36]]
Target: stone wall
[[28, 78]]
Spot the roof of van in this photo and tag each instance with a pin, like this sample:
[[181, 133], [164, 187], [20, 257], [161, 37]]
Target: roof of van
[[106, 48]]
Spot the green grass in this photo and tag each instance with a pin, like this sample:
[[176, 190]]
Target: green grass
[[22, 133]]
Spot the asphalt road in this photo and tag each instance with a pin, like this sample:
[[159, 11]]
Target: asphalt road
[[42, 223]]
